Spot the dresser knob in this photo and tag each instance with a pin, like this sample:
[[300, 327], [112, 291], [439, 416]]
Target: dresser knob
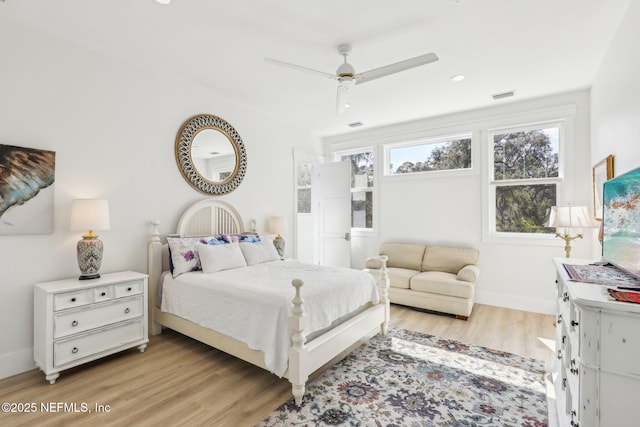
[[74, 323], [126, 310], [103, 294], [73, 299], [74, 350]]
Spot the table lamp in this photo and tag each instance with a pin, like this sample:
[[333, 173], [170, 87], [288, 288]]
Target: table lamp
[[89, 214], [568, 218], [277, 226]]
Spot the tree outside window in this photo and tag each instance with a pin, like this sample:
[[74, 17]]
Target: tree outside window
[[525, 177], [428, 156], [362, 183]]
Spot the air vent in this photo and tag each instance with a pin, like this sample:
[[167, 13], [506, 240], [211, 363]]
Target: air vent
[[355, 124], [503, 95]]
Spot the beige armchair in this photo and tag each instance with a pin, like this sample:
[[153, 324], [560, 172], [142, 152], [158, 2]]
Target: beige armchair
[[436, 278]]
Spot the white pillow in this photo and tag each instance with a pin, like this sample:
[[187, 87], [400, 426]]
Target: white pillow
[[220, 257], [259, 252]]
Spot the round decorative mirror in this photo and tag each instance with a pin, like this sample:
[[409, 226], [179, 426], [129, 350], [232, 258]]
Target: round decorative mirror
[[210, 154]]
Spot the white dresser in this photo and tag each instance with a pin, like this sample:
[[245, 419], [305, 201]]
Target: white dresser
[[77, 321], [597, 371]]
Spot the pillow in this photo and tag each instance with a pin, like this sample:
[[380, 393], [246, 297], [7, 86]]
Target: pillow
[[259, 252], [229, 238], [220, 257], [183, 255]]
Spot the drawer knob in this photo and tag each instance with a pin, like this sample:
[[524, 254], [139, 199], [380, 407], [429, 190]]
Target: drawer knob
[[74, 350], [126, 310], [73, 299], [103, 294], [129, 289], [74, 323]]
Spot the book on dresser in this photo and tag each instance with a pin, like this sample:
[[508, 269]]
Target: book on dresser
[[596, 374], [76, 322]]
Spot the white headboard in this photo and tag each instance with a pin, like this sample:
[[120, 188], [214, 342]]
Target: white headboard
[[209, 217], [204, 218]]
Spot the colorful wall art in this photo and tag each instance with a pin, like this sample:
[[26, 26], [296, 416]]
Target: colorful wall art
[[26, 190]]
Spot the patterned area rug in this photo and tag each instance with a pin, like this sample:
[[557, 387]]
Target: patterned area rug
[[412, 379]]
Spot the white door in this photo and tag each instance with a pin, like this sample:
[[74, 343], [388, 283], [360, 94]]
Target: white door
[[331, 187]]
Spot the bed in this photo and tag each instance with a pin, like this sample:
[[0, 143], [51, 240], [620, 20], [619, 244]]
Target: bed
[[305, 352]]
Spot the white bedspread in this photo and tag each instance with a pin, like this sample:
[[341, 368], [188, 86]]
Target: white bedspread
[[252, 304]]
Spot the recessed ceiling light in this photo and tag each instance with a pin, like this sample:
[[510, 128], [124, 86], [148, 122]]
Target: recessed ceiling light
[[457, 78], [163, 1]]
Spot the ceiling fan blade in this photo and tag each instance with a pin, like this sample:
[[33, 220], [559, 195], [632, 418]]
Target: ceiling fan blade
[[376, 73], [300, 68]]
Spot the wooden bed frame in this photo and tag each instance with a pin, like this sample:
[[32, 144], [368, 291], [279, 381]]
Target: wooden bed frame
[[213, 216]]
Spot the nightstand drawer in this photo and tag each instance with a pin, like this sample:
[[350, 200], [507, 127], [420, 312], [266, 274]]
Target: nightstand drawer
[[72, 299], [75, 321], [127, 289], [66, 351]]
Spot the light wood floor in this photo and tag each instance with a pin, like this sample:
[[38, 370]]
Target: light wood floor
[[178, 381]]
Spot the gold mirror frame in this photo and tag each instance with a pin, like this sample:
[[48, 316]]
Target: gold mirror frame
[[187, 133]]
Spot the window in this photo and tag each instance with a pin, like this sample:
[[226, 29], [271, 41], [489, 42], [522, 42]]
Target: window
[[440, 154], [303, 186], [362, 186], [525, 177]]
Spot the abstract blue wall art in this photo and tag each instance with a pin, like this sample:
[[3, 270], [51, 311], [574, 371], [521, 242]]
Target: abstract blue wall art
[[26, 190]]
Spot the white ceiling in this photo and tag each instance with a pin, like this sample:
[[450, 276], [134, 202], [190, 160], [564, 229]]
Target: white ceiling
[[534, 47]]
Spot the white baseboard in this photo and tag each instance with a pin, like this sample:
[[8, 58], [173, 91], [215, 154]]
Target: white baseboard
[[516, 302], [16, 362]]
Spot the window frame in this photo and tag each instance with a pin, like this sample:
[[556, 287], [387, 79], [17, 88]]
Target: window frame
[[425, 141], [490, 233], [335, 156]]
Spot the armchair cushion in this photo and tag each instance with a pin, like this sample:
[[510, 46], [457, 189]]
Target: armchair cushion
[[403, 255], [441, 283], [400, 277], [448, 259]]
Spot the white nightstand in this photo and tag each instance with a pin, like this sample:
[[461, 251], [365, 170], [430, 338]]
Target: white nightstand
[[77, 321]]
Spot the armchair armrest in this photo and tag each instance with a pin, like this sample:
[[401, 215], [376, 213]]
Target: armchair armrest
[[373, 263], [469, 273]]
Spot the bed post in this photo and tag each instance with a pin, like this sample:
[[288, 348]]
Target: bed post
[[383, 289], [155, 270], [297, 322]]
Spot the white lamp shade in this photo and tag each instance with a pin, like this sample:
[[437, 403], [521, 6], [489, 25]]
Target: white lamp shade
[[90, 214], [569, 217], [277, 224]]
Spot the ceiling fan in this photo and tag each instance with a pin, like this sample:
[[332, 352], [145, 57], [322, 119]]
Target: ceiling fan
[[347, 77]]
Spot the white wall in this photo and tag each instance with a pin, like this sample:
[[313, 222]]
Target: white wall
[[449, 209], [113, 129], [615, 99]]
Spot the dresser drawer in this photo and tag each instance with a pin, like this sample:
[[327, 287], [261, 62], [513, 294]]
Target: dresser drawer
[[103, 293], [127, 289], [620, 349], [72, 299], [74, 321], [66, 351]]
